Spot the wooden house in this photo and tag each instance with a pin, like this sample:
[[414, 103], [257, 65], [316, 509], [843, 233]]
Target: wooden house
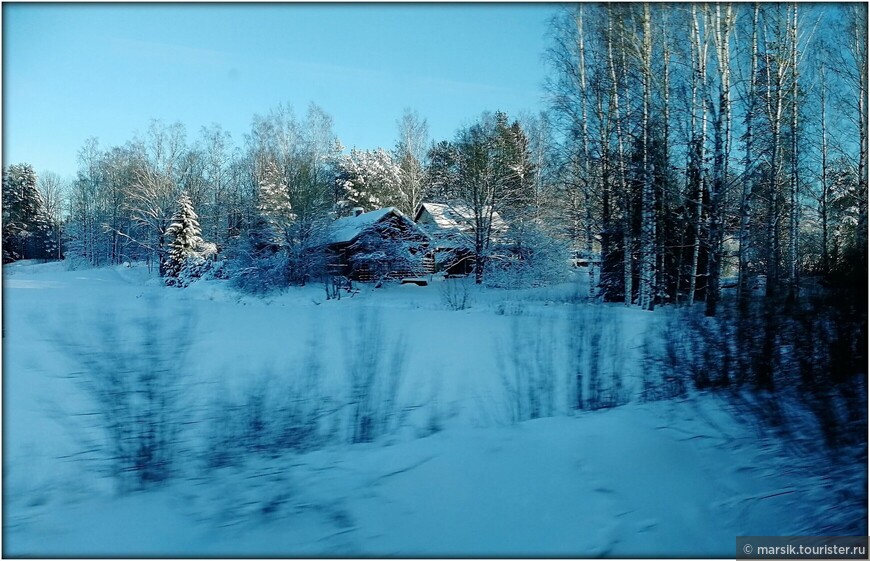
[[451, 227], [383, 243]]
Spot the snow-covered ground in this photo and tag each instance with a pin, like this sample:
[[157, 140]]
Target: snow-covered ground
[[674, 479]]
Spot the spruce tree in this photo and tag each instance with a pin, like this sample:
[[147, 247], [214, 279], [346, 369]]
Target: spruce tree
[[25, 226], [276, 212], [184, 237], [369, 179]]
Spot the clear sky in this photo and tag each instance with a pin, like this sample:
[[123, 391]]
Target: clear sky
[[75, 71]]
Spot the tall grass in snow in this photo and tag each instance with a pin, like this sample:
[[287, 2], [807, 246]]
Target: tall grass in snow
[[133, 372], [598, 359], [455, 294], [147, 426], [528, 367], [782, 364], [270, 416], [575, 361], [375, 366]]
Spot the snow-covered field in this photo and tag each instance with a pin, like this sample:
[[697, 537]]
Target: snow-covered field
[[457, 477]]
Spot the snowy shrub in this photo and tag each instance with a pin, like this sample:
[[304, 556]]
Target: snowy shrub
[[455, 294], [270, 417], [527, 364], [375, 366], [194, 268], [779, 363], [510, 308], [334, 285], [829, 350], [134, 377], [266, 259], [388, 248], [75, 262], [206, 269], [532, 258], [220, 269], [687, 348], [306, 262], [537, 380], [597, 359], [260, 274], [664, 354]]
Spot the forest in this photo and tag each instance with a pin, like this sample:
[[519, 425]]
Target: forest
[[685, 145], [685, 149], [699, 175]]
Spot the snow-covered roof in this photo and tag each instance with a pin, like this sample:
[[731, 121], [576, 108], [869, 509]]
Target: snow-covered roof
[[347, 229], [457, 216]]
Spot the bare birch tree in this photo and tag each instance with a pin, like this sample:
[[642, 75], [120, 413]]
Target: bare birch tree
[[721, 134], [748, 164]]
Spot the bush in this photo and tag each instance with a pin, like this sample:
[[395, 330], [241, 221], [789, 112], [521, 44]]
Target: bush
[[134, 377], [528, 368], [194, 268], [809, 356], [690, 347], [534, 380], [375, 367], [455, 294], [665, 372], [260, 274], [597, 359], [532, 259], [269, 418]]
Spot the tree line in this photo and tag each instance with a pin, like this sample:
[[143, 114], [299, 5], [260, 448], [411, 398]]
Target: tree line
[[702, 140], [264, 208], [682, 145]]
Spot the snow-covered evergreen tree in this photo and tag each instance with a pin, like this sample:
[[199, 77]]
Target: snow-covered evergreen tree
[[369, 179], [26, 228], [274, 197], [185, 242]]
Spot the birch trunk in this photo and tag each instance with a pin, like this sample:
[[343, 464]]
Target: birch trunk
[[585, 181], [722, 132], [775, 94], [606, 178], [648, 226], [614, 96], [698, 147], [860, 56], [746, 196], [793, 184], [662, 210], [823, 199]]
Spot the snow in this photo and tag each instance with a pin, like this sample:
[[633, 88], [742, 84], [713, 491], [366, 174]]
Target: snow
[[458, 217], [345, 230], [664, 479]]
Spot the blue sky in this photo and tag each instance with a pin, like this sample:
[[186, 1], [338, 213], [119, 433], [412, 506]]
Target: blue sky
[[75, 71]]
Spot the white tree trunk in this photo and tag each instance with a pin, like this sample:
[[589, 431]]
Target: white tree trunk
[[699, 144], [722, 133], [793, 184], [648, 221], [746, 195]]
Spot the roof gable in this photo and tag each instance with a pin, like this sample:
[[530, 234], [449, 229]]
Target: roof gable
[[457, 217], [349, 228]]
